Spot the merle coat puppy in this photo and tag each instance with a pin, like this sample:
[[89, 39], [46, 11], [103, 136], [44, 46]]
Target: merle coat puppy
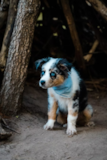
[[67, 95]]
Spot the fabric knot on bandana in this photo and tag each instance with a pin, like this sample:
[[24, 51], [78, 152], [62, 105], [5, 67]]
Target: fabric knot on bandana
[[64, 90]]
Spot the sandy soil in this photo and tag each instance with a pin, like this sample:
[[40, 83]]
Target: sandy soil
[[34, 143]]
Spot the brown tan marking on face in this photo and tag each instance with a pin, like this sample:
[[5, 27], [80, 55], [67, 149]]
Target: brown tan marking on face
[[58, 80], [52, 112]]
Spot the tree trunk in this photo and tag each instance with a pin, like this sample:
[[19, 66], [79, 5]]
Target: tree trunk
[[74, 34], [18, 56]]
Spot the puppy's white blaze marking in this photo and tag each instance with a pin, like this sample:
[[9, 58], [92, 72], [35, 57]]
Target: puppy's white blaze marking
[[48, 65], [46, 76], [49, 124], [71, 126]]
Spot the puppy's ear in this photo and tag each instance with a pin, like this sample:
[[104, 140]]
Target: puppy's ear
[[40, 62], [64, 65]]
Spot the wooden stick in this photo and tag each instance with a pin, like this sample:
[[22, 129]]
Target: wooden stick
[[99, 7], [74, 34], [93, 48], [96, 81], [46, 3]]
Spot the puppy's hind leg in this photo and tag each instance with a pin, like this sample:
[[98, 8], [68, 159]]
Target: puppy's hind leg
[[85, 116], [88, 112]]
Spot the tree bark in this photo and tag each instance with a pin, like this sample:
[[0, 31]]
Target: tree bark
[[99, 7], [74, 34], [9, 28], [18, 56]]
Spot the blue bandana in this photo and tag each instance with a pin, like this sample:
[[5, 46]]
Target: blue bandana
[[64, 90]]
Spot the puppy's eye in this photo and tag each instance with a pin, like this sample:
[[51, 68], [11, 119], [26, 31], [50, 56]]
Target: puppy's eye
[[53, 74], [42, 73]]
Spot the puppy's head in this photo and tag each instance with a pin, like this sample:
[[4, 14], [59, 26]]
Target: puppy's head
[[54, 71]]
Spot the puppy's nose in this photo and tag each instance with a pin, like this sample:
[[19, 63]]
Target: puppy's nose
[[42, 82]]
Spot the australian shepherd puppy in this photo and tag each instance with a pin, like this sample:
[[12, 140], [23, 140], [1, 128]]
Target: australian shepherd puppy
[[67, 95]]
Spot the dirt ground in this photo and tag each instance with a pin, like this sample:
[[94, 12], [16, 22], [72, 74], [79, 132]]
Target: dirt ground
[[34, 143]]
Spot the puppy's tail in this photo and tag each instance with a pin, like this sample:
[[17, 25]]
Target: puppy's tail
[[89, 110]]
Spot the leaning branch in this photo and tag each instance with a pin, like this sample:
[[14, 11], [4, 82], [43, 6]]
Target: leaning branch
[[93, 48], [74, 34], [99, 7]]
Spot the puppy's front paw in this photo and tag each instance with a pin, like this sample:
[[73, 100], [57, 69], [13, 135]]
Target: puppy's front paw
[[71, 131], [49, 124]]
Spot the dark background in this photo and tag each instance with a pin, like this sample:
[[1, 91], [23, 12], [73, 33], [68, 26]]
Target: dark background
[[52, 37]]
